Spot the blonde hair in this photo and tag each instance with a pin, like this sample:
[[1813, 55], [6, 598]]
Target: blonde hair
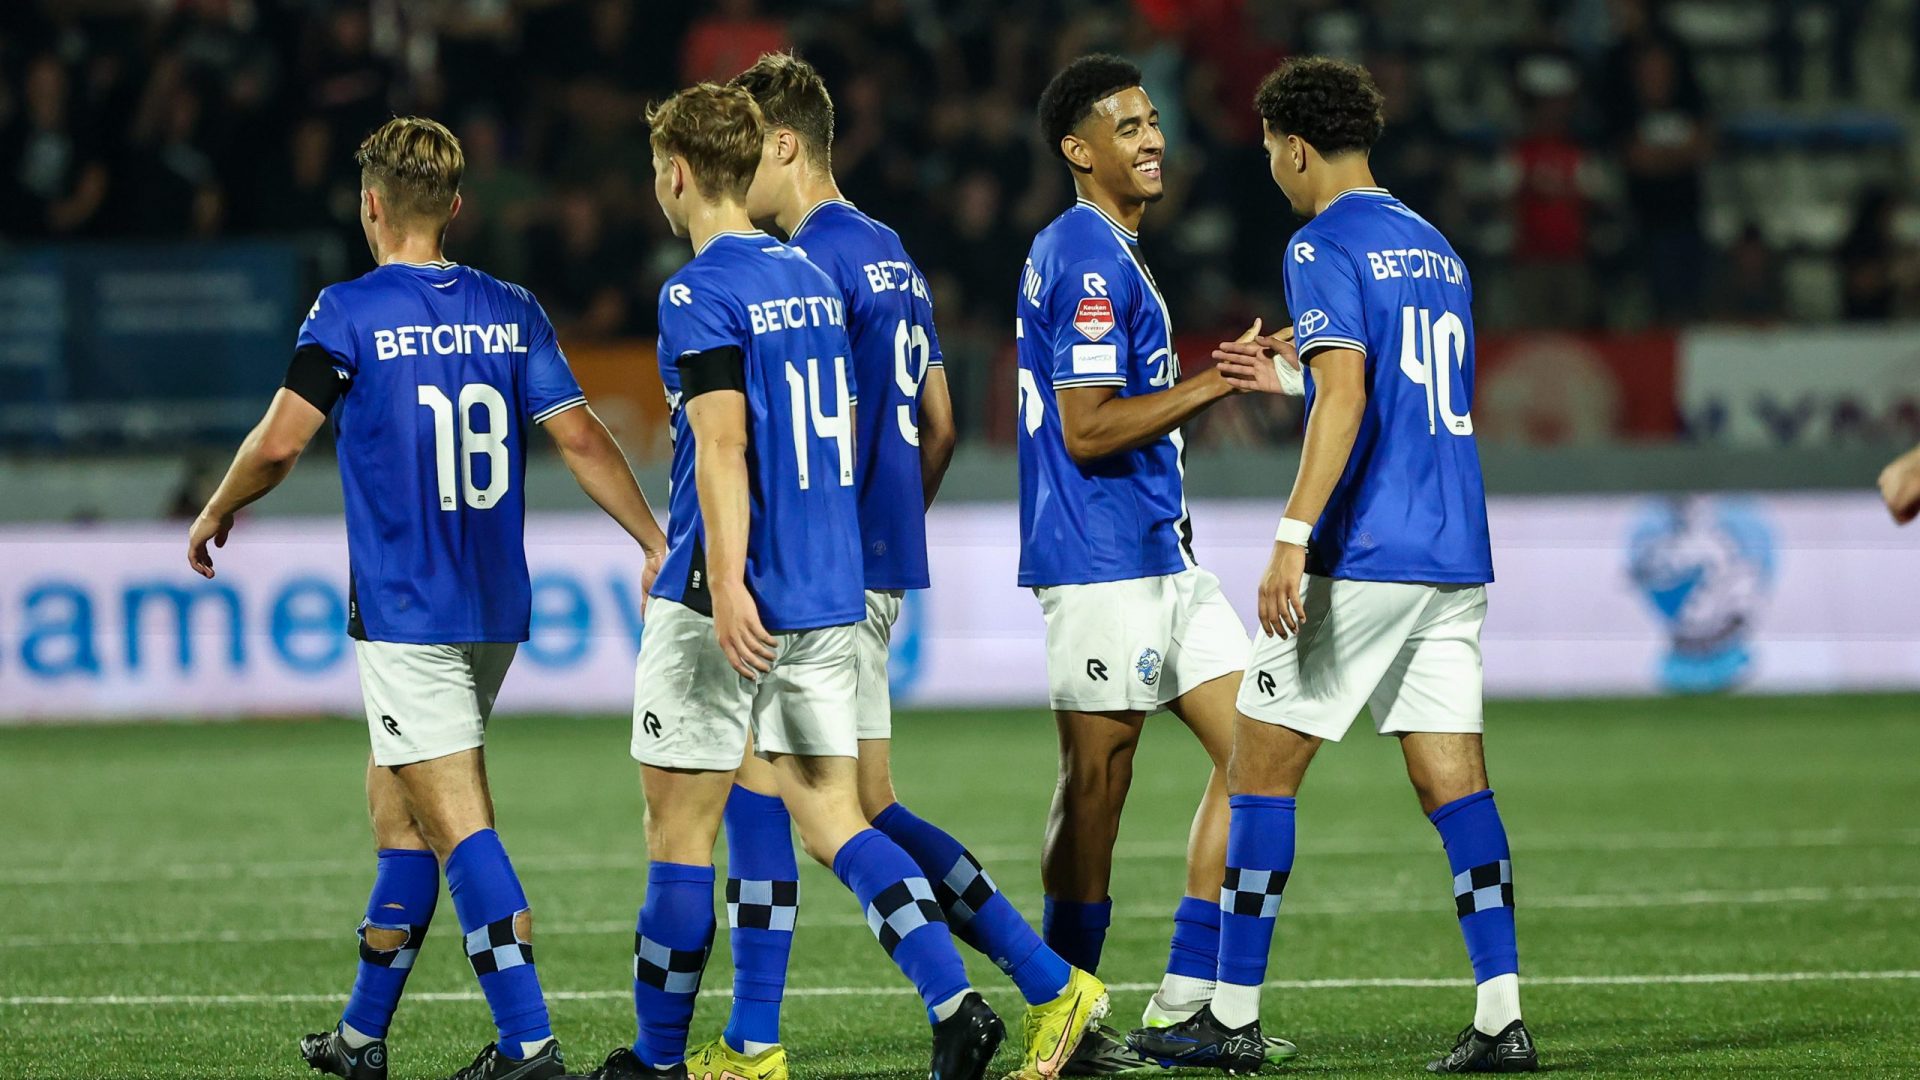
[[416, 163], [717, 131]]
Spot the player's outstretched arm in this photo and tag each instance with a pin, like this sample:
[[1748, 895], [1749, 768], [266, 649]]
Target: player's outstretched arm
[[719, 422], [1900, 486], [1264, 363], [937, 432], [597, 463], [1096, 421], [265, 458], [1340, 375]]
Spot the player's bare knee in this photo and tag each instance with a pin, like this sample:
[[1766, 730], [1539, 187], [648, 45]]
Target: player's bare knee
[[384, 939]]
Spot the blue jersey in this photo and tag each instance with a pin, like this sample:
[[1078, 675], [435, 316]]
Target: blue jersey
[[447, 370], [748, 291], [1089, 314], [1371, 275], [890, 323]]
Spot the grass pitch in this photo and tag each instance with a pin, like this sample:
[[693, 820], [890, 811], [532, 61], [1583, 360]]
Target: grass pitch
[[1706, 886]]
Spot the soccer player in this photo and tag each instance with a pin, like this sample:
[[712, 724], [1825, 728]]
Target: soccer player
[[1133, 624], [1377, 586], [752, 627], [436, 375], [903, 440]]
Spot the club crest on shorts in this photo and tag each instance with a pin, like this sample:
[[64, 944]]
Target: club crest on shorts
[[1094, 317], [1148, 666]]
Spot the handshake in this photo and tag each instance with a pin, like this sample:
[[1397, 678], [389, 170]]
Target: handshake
[[1261, 363]]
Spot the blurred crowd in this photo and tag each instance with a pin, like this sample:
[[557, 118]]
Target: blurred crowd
[[1588, 157]]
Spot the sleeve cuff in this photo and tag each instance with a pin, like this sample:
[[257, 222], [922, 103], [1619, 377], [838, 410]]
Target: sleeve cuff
[[554, 410]]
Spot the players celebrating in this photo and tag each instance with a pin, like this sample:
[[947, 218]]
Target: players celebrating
[[903, 441], [1377, 586], [1133, 624], [435, 375], [753, 624]]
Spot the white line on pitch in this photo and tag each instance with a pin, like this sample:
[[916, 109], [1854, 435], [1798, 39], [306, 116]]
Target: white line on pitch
[[1674, 979], [993, 853], [1373, 905]]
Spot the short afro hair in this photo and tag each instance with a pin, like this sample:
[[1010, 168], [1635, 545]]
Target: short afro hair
[[1070, 96], [1332, 105]]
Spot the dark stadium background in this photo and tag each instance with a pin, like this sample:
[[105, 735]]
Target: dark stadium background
[[1693, 232]]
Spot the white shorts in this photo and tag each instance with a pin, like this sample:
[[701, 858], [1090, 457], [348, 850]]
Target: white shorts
[[429, 701], [874, 639], [1133, 646], [1409, 652], [691, 710]]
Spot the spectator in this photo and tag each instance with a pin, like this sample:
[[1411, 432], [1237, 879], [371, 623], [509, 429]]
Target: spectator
[[1748, 287], [58, 172], [1665, 143], [1549, 178], [1877, 268], [724, 44]]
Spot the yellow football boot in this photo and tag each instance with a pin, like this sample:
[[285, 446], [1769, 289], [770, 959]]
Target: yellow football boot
[[718, 1061], [1055, 1028]]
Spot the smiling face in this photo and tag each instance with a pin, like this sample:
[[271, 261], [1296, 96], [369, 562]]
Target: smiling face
[[1120, 144]]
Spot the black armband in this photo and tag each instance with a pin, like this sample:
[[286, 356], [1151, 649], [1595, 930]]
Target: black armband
[[724, 368], [312, 375]]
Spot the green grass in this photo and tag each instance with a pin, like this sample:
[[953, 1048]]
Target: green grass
[[1745, 836]]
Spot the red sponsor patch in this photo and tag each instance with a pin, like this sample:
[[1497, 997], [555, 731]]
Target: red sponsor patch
[[1094, 317]]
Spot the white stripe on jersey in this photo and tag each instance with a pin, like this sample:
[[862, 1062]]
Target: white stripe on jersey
[[1183, 527]]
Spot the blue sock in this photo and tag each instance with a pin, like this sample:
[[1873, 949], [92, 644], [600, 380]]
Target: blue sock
[[1259, 858], [1482, 882], [976, 910], [406, 886], [1196, 939], [763, 896], [1077, 931], [670, 947], [903, 914], [487, 897]]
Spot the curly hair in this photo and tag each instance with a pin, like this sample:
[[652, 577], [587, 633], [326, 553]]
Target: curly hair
[[791, 94], [1332, 105], [717, 130], [1069, 97]]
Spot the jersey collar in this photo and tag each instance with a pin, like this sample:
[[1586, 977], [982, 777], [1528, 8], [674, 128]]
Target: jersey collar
[[817, 207], [744, 234], [441, 264], [1126, 234], [1375, 191]]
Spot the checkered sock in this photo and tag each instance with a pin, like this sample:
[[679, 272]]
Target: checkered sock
[[1259, 859], [1076, 930], [1194, 956], [487, 897], [406, 886], [903, 914], [670, 947], [763, 896], [1482, 868], [976, 910]]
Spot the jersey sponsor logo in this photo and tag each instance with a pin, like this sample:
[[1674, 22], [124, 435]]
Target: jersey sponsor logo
[[1147, 666], [1094, 284], [1096, 360], [1303, 252], [392, 725], [1096, 670], [1030, 284], [449, 339], [679, 295], [1264, 681], [1094, 317], [1312, 323], [895, 275], [314, 310], [650, 723], [796, 312]]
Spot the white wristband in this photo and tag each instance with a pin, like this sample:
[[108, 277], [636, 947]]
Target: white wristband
[[1293, 531]]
